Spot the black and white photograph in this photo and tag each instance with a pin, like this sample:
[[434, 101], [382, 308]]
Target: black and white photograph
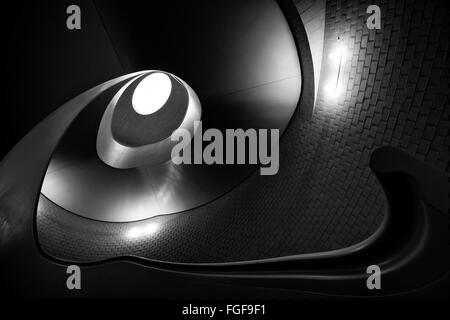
[[225, 159]]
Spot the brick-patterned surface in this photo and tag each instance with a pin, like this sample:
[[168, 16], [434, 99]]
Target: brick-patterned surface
[[324, 196]]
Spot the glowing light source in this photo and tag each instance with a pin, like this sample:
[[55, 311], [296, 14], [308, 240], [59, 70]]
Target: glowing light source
[[332, 89], [338, 54], [151, 93], [147, 230], [337, 57]]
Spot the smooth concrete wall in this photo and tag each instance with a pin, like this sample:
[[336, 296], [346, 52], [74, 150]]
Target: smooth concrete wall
[[312, 13]]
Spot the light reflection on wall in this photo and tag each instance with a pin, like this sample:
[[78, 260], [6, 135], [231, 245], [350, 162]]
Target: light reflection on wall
[[143, 231], [334, 85]]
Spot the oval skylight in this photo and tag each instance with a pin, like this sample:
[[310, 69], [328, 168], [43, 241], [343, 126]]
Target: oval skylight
[[151, 93]]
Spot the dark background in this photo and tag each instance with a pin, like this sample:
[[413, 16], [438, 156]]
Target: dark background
[[46, 64]]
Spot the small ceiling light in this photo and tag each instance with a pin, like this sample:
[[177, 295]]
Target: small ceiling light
[[151, 93], [337, 57]]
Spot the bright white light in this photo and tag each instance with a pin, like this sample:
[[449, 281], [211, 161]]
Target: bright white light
[[333, 87], [151, 93], [330, 89], [338, 54], [147, 230]]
